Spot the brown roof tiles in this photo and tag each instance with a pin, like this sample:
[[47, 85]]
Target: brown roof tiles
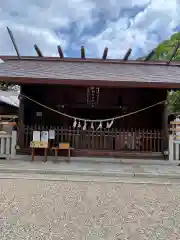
[[89, 71]]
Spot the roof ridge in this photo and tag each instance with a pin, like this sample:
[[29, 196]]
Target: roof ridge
[[91, 60]]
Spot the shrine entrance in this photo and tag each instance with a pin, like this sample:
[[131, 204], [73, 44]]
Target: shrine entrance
[[95, 119]]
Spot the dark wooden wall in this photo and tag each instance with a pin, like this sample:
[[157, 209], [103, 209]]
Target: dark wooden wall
[[6, 109], [74, 101]]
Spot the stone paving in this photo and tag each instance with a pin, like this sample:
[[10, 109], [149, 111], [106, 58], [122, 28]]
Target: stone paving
[[34, 209], [89, 168]]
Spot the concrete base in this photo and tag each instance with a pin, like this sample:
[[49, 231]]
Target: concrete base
[[90, 169], [100, 160]]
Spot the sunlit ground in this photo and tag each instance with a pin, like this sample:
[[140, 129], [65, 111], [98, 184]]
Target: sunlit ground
[[36, 209]]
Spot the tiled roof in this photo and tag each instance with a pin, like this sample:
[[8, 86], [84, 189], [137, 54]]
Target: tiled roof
[[90, 71]]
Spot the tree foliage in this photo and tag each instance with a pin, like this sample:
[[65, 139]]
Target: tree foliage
[[164, 51], [174, 101], [4, 86]]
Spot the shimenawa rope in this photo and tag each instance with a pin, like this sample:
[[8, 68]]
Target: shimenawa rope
[[93, 120]]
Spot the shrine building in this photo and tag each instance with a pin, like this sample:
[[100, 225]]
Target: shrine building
[[102, 107]]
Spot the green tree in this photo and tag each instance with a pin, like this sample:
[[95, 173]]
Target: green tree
[[164, 51], [174, 101], [4, 86]]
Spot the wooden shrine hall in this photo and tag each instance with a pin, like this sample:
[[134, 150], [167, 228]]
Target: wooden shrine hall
[[102, 107]]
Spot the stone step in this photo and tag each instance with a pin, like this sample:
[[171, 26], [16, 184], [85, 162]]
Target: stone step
[[100, 153]]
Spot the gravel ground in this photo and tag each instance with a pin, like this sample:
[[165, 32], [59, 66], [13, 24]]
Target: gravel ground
[[35, 209]]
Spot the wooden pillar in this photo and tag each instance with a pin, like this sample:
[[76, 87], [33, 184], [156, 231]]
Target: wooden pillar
[[21, 129], [165, 130]]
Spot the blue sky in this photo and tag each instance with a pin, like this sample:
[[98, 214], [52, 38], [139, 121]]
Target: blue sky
[[95, 24]]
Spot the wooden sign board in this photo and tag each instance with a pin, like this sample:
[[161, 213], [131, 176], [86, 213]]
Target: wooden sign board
[[64, 146], [38, 144], [8, 123], [44, 136], [39, 114], [175, 122], [51, 134], [40, 139], [36, 136]]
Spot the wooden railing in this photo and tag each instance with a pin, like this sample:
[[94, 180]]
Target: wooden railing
[[113, 139]]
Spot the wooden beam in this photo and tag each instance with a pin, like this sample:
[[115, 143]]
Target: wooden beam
[[174, 53], [126, 56], [13, 42], [21, 120], [149, 56], [165, 132], [89, 83], [83, 52], [174, 63], [39, 53], [60, 51], [105, 53]]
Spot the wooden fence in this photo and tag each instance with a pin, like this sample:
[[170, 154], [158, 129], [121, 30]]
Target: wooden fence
[[112, 140]]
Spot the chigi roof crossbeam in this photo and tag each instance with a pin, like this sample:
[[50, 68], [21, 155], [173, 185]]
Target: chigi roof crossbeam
[[104, 56]]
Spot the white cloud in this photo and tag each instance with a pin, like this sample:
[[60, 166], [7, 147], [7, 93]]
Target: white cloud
[[160, 16], [113, 7], [35, 21]]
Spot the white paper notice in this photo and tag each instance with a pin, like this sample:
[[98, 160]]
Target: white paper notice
[[39, 114], [51, 134], [36, 135], [44, 136]]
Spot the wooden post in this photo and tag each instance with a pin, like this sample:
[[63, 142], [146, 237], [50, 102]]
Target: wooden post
[[32, 153], [13, 144], [69, 155], [2, 146], [45, 154], [171, 148], [21, 123], [165, 135], [56, 154], [177, 151]]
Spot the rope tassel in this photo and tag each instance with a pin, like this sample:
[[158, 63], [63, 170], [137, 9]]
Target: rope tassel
[[109, 125], [74, 123], [92, 125], [85, 126], [100, 126], [79, 125], [88, 120]]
